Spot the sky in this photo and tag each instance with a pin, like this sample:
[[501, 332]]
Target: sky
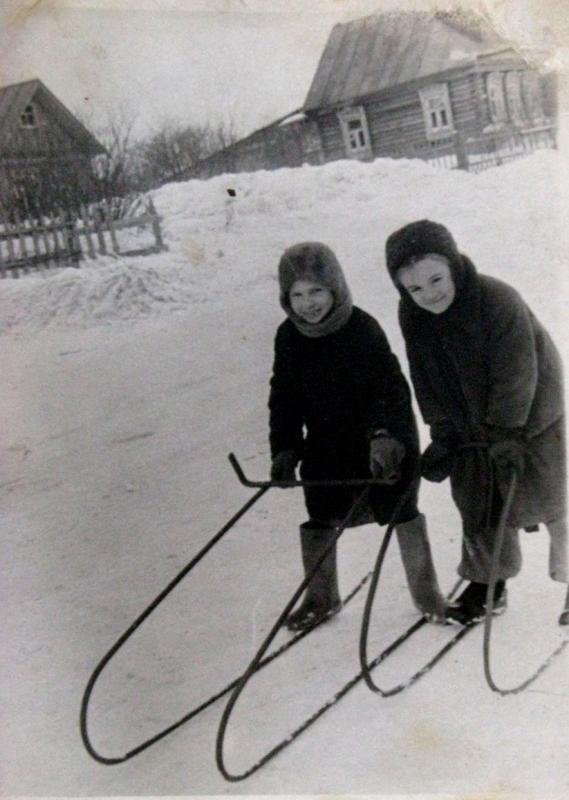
[[248, 61]]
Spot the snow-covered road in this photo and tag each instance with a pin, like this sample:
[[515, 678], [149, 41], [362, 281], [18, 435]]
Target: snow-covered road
[[125, 385]]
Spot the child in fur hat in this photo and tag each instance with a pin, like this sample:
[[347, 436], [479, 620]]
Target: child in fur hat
[[340, 405], [484, 371]]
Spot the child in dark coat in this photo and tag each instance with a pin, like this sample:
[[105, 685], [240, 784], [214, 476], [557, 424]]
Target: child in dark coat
[[340, 405], [484, 371]]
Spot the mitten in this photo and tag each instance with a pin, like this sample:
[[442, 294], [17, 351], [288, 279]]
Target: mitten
[[283, 466], [507, 451], [385, 457], [508, 457], [436, 461]]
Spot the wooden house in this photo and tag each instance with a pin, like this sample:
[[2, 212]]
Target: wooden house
[[418, 84], [436, 86], [41, 144]]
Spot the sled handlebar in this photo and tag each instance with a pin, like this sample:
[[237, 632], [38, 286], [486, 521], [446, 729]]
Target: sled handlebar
[[290, 484]]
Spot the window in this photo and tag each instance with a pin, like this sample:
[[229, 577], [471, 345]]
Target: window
[[496, 97], [355, 132], [437, 112], [28, 117], [514, 96], [532, 96]]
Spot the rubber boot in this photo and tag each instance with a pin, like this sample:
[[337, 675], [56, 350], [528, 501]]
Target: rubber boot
[[419, 568], [322, 598]]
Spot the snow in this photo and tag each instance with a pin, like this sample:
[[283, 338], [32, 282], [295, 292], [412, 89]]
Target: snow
[[126, 383]]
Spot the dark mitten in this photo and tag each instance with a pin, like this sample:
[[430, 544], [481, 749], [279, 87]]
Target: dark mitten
[[507, 451], [284, 465], [385, 457], [436, 461], [508, 457]]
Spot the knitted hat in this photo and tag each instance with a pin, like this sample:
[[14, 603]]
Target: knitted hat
[[417, 240], [314, 261]]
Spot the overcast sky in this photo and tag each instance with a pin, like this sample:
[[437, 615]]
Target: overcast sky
[[197, 61]]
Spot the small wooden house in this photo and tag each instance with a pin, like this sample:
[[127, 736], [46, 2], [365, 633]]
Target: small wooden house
[[437, 86], [408, 84], [41, 143]]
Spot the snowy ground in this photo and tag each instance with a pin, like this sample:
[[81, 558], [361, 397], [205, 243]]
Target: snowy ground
[[125, 384]]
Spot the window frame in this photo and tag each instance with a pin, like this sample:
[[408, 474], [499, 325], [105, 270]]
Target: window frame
[[356, 114], [496, 96], [514, 97], [28, 117], [439, 122]]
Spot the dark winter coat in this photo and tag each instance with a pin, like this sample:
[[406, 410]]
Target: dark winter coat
[[327, 394], [485, 362]]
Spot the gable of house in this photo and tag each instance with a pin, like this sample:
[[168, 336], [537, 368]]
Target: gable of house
[[35, 124], [369, 55]]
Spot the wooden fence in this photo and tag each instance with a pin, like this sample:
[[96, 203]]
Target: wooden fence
[[490, 150], [495, 149], [64, 240]]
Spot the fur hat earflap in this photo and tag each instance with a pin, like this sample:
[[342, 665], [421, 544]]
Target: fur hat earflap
[[416, 240], [314, 261]]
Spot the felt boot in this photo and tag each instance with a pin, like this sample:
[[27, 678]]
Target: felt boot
[[558, 557], [321, 598], [419, 568]]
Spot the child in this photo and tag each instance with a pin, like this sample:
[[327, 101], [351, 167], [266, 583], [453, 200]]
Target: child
[[485, 371], [340, 405]]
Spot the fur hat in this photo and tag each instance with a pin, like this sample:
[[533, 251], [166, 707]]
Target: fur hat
[[314, 261], [416, 240]]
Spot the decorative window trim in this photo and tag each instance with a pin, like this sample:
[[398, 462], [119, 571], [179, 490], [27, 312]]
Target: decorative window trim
[[28, 118], [437, 111], [496, 97], [531, 96], [355, 132], [514, 97]]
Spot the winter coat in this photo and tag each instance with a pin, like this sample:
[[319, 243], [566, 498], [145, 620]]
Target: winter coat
[[485, 362], [327, 395]]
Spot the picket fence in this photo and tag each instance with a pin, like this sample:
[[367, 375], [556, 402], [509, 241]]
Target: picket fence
[[63, 240], [475, 154]]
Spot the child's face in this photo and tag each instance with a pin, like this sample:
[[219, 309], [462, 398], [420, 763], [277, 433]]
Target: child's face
[[310, 301], [429, 283]]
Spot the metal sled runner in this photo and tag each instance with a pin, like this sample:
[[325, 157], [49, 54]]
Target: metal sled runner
[[490, 606], [262, 488], [364, 674]]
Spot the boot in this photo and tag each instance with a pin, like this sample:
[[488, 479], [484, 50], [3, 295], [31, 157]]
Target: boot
[[471, 605], [322, 598], [558, 557], [419, 568], [564, 617]]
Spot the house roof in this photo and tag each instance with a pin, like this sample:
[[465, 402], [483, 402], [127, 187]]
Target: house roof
[[374, 53], [15, 98]]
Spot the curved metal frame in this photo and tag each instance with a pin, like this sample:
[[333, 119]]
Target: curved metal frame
[[490, 606], [262, 486]]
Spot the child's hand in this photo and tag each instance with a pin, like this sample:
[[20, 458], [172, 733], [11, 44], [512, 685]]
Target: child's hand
[[508, 456], [507, 450], [436, 462], [284, 465], [385, 457]]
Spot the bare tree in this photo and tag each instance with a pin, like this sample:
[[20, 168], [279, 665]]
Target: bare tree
[[174, 148], [113, 171]]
